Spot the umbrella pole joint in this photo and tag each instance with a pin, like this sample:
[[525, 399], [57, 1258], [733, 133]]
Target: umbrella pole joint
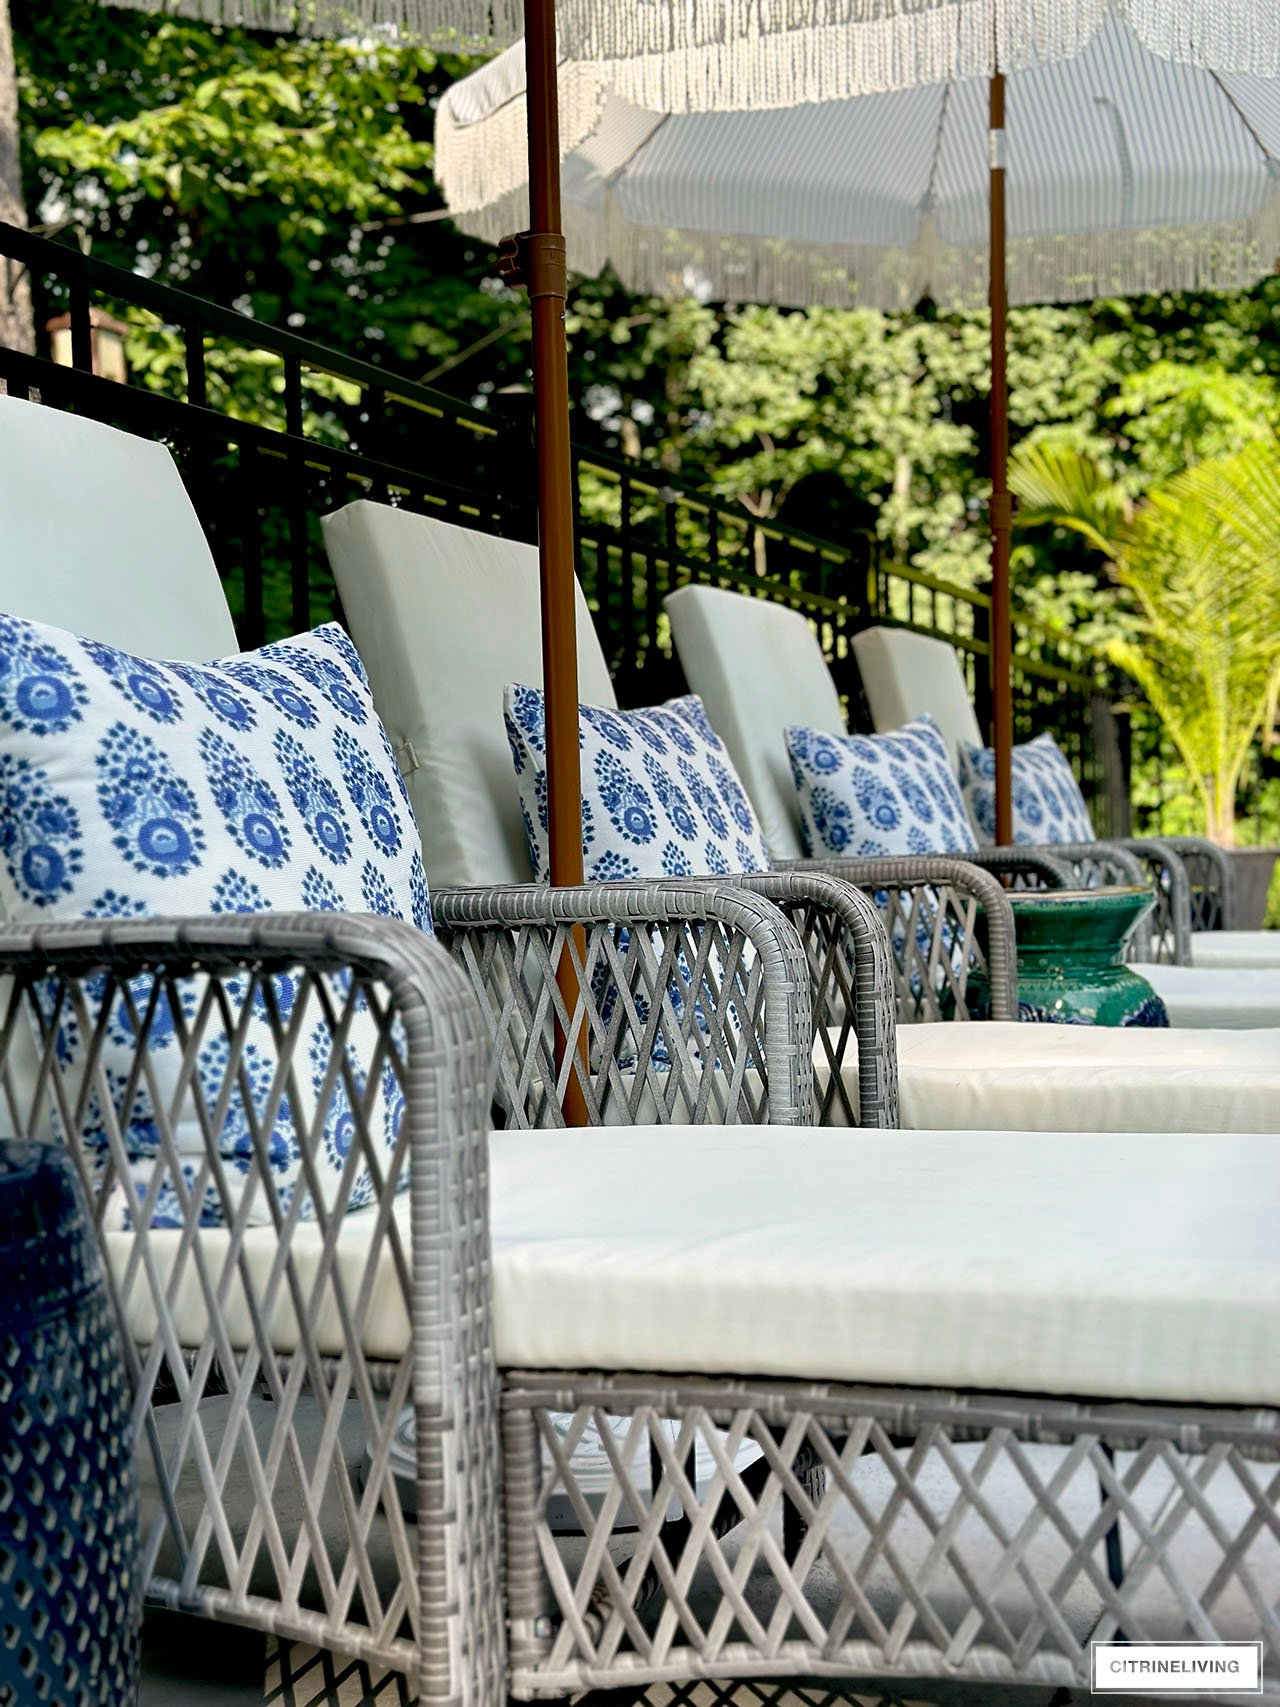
[[536, 261]]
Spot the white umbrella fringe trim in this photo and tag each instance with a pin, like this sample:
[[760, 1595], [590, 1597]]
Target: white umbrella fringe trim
[[702, 55], [697, 55], [458, 24], [1079, 267], [476, 163]]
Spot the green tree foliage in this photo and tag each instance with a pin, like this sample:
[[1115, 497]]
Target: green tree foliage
[[1199, 556], [258, 172]]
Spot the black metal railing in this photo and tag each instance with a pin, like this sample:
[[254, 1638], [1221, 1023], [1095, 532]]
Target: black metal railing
[[264, 461]]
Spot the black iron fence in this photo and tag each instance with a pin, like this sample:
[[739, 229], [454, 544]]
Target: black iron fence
[[271, 432]]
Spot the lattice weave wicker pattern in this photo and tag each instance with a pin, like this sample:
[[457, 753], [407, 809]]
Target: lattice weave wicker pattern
[[944, 919], [692, 1002], [954, 1536], [276, 1380]]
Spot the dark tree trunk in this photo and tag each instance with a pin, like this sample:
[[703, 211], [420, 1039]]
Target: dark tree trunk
[[17, 329]]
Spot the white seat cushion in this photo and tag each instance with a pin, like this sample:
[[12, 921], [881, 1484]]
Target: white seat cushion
[[1236, 948], [757, 667], [444, 618], [1135, 1266], [1061, 1078], [1227, 999], [905, 675]]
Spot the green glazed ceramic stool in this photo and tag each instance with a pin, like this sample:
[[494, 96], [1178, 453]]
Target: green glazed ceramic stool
[[1071, 968]]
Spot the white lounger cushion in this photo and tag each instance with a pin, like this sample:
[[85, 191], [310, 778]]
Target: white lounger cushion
[[1136, 1266], [906, 674], [1219, 997], [445, 618], [722, 639], [1241, 950], [1049, 1078], [100, 538]]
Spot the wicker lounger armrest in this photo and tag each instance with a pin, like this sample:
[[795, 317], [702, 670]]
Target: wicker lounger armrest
[[1030, 868], [1090, 863], [740, 1050], [931, 968], [852, 985], [284, 1408], [1212, 881], [1170, 924]]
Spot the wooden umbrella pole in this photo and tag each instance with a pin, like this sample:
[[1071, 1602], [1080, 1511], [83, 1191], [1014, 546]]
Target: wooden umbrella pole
[[1001, 508], [543, 268]]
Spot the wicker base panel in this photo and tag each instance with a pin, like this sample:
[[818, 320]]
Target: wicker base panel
[[302, 1676], [955, 1550], [956, 1538]]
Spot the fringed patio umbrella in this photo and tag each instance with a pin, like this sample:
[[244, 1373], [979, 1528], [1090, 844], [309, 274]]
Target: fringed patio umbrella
[[1129, 170]]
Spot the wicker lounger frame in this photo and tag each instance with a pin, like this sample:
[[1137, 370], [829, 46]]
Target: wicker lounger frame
[[1192, 880], [479, 1604], [968, 924], [835, 961]]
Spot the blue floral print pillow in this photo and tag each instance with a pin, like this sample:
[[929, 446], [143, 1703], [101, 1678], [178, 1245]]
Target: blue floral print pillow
[[1047, 803], [660, 796], [263, 782], [864, 796]]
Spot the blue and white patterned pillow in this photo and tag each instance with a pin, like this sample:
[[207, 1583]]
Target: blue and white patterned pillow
[[1047, 803], [864, 796], [263, 782], [660, 795]]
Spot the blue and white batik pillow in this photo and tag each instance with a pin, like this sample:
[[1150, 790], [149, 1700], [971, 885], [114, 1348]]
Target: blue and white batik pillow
[[660, 795], [872, 796], [865, 796], [660, 798], [263, 782], [1047, 803]]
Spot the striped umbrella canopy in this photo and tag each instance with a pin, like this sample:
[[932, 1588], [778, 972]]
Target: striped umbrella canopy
[[1126, 172]]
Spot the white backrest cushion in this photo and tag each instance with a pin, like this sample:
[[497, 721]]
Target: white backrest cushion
[[907, 675], [758, 668], [97, 535], [444, 619]]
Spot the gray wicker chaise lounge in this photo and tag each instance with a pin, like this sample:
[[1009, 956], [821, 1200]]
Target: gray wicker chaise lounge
[[969, 1349], [759, 669]]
